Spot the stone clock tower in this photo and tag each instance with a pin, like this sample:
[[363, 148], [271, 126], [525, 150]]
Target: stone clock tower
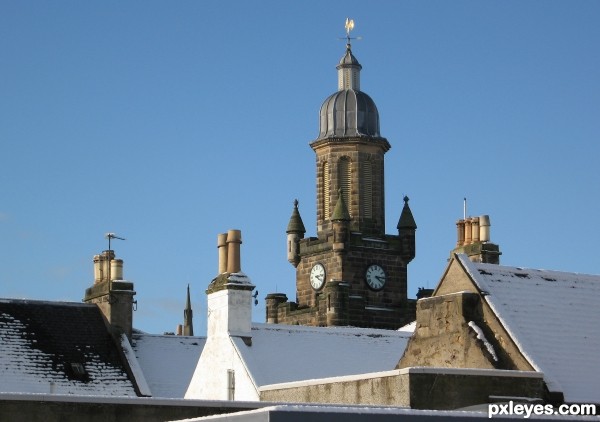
[[352, 273]]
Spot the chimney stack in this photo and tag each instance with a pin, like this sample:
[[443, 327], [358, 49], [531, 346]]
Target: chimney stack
[[230, 292], [112, 294], [229, 314], [473, 239]]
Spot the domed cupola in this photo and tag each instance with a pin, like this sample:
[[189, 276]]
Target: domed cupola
[[349, 112]]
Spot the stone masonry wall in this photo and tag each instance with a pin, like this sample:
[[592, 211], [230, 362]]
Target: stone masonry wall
[[443, 337], [417, 388]]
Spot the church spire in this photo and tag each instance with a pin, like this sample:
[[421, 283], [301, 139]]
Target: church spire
[[188, 325]]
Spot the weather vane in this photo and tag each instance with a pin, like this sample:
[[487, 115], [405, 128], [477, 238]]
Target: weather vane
[[349, 27]]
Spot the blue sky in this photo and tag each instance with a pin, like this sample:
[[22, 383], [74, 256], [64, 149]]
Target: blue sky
[[170, 122]]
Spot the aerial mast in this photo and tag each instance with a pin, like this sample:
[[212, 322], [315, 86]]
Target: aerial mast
[[111, 236]]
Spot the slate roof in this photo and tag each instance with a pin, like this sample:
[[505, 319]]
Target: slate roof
[[44, 344], [286, 353], [554, 319], [168, 362]]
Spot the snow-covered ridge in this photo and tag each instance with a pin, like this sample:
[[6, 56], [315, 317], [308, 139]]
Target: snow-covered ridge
[[552, 317], [484, 340]]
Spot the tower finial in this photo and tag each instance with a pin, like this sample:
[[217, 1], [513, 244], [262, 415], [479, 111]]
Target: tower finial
[[349, 27]]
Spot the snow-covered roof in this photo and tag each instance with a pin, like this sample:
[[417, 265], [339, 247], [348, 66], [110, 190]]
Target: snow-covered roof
[[554, 319], [285, 353], [60, 348], [409, 328], [167, 362]]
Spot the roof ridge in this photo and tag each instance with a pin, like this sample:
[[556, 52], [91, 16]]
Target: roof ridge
[[45, 302]]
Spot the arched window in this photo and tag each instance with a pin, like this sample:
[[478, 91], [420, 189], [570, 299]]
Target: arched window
[[366, 198], [326, 190], [344, 178]]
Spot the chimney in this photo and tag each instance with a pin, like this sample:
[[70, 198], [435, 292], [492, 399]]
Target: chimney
[[475, 229], [484, 228], [230, 293], [222, 246], [112, 294], [234, 240], [468, 232], [102, 265], [460, 229], [473, 239]]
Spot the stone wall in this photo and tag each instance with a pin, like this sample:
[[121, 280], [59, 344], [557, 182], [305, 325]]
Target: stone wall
[[417, 388], [455, 279], [384, 388], [444, 338], [335, 306], [450, 388]]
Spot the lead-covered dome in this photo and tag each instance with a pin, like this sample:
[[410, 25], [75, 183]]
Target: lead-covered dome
[[349, 112]]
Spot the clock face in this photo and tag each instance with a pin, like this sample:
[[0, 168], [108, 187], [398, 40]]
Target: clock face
[[317, 276], [375, 277]]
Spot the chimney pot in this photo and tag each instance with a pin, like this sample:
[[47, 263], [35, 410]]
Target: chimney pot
[[475, 229], [468, 231], [116, 269], [460, 231], [222, 246], [234, 240], [484, 228]]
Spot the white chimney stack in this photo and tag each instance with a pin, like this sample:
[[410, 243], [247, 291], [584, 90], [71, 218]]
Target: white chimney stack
[[230, 293]]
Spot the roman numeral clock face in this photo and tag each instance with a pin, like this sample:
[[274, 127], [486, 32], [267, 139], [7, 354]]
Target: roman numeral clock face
[[375, 277]]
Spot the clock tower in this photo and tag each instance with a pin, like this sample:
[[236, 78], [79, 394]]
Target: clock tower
[[351, 273]]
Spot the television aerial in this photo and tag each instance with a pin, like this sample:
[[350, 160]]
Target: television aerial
[[111, 236]]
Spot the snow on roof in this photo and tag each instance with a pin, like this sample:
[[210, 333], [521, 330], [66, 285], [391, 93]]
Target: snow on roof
[[168, 362], [409, 328], [285, 353], [554, 319], [58, 348]]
